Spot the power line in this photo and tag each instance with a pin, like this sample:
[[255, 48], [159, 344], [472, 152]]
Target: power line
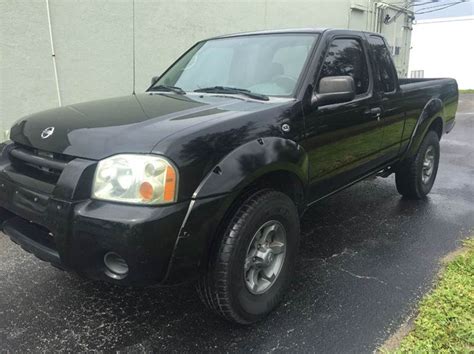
[[436, 8], [427, 9], [407, 4]]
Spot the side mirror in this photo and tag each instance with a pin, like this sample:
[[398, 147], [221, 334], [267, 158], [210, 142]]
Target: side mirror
[[334, 89], [154, 79]]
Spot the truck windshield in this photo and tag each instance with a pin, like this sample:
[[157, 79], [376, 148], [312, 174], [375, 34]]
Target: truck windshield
[[259, 64]]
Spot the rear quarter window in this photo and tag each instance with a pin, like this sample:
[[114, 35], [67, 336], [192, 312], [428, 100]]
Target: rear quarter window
[[384, 70]]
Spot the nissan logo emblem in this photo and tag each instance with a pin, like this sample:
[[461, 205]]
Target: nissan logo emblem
[[47, 132]]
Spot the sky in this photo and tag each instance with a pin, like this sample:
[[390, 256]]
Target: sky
[[462, 9]]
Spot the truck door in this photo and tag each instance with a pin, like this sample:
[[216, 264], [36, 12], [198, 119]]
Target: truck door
[[385, 87], [343, 140]]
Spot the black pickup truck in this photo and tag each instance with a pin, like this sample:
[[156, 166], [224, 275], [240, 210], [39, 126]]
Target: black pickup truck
[[205, 175]]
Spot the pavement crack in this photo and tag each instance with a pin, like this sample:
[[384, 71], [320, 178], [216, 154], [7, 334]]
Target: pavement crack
[[326, 259], [360, 276], [344, 252]]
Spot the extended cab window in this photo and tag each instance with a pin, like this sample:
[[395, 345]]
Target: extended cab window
[[384, 71], [346, 57]]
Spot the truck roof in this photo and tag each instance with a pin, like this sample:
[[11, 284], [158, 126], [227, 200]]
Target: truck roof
[[290, 30]]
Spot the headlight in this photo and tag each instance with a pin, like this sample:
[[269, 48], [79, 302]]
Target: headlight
[[137, 179]]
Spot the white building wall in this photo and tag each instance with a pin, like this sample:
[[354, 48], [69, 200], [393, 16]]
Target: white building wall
[[444, 48], [93, 41]]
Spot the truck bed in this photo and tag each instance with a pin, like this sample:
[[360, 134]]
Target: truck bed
[[419, 92], [409, 84]]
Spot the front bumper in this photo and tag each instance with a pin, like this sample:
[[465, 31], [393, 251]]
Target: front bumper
[[59, 225]]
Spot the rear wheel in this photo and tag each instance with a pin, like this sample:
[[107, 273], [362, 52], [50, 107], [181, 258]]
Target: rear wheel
[[416, 176], [251, 267]]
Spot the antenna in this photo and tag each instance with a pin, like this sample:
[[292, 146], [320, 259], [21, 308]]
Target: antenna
[[133, 44]]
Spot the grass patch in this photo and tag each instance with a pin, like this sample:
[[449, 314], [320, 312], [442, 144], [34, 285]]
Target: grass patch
[[467, 91], [445, 322]]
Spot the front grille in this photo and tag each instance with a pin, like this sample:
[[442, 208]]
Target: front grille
[[38, 164]]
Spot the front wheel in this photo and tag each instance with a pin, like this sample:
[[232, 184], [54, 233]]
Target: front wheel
[[416, 176], [251, 268]]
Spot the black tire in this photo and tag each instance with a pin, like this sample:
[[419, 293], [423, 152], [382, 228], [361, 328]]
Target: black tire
[[224, 289], [409, 176]]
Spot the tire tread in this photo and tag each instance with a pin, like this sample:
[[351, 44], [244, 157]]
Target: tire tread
[[408, 174], [213, 287]]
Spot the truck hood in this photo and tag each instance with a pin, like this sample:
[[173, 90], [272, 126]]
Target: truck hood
[[130, 124]]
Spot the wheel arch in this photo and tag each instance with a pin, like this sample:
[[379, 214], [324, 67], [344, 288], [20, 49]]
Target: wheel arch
[[276, 163], [263, 163], [432, 117], [265, 160], [437, 125]]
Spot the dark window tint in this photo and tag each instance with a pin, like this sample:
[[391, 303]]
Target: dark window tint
[[346, 57], [383, 62]]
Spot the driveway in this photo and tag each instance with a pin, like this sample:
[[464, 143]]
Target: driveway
[[367, 257]]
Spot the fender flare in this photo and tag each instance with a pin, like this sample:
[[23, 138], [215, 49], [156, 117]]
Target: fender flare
[[252, 160], [219, 190], [433, 110]]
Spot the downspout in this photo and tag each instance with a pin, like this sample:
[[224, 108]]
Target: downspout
[[394, 50], [368, 20], [53, 55], [376, 17], [133, 48], [378, 13]]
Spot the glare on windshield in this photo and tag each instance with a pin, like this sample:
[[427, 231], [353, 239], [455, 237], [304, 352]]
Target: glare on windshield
[[262, 64]]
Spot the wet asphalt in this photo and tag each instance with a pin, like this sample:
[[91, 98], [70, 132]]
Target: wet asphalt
[[367, 257]]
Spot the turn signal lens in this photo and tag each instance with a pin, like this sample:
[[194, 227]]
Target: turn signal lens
[[146, 191], [170, 184]]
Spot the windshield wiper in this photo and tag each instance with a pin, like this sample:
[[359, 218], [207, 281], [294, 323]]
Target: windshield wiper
[[174, 89], [233, 90]]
